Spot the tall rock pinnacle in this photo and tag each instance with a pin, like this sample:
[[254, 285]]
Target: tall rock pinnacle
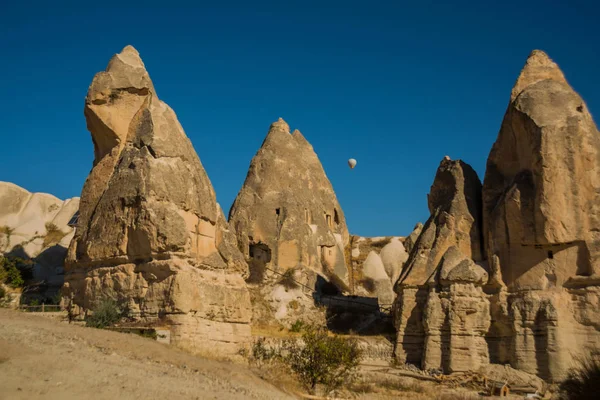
[[541, 213], [541, 187], [287, 215], [150, 232]]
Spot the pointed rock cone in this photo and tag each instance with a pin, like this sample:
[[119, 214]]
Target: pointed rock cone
[[150, 232], [541, 196], [287, 210]]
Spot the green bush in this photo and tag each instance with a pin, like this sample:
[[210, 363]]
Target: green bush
[[262, 353], [106, 313], [297, 326], [2, 293], [10, 273], [582, 382], [323, 359]]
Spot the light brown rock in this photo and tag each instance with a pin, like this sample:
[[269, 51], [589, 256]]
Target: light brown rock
[[411, 239], [541, 186], [376, 265], [441, 312], [150, 231], [35, 226], [455, 206], [286, 215], [541, 216]]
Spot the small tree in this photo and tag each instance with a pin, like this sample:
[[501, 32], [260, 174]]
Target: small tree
[[323, 359], [10, 272], [582, 382], [106, 313]]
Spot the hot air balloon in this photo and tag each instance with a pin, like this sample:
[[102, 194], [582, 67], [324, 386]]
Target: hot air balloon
[[352, 163]]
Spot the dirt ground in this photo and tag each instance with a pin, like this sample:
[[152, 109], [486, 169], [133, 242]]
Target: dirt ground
[[45, 359]]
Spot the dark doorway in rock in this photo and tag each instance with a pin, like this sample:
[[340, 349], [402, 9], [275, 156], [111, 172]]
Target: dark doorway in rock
[[336, 217], [277, 211], [259, 256], [550, 254]]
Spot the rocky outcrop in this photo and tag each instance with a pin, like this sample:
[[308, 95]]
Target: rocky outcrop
[[441, 312], [376, 265], [286, 216], [411, 239], [150, 232], [36, 226], [541, 198]]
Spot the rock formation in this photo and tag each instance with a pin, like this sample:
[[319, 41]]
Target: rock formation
[[376, 265], [410, 240], [535, 305], [541, 210], [441, 313], [286, 216], [36, 226], [150, 232]]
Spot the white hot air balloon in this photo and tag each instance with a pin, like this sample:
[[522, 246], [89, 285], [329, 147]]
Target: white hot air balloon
[[352, 163]]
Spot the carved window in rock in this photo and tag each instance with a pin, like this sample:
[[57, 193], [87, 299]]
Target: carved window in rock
[[336, 217], [307, 216], [328, 219], [278, 211]]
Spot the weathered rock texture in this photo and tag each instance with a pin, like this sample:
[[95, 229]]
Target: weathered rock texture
[[36, 226], [376, 265], [541, 208], [150, 232], [286, 216], [441, 312], [538, 218]]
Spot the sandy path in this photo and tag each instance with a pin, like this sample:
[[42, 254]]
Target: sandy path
[[45, 359]]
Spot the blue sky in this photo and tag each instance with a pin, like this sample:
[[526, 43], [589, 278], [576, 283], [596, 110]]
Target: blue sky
[[396, 85]]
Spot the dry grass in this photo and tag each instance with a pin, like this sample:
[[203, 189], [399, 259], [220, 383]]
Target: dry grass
[[403, 385], [279, 375], [274, 331], [53, 234]]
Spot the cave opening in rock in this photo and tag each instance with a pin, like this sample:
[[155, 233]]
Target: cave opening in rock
[[259, 256]]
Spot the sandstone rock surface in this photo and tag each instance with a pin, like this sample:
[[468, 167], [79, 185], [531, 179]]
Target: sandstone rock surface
[[441, 313], [376, 265], [541, 198], [150, 232], [286, 216], [36, 226]]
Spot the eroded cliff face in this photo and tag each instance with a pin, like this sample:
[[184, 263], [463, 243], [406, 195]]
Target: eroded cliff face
[[441, 312], [530, 296], [150, 232], [541, 218], [36, 227], [287, 218]]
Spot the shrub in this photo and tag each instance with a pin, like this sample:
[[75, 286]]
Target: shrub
[[323, 359], [297, 326], [2, 293], [262, 353], [582, 382], [106, 313], [10, 273]]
